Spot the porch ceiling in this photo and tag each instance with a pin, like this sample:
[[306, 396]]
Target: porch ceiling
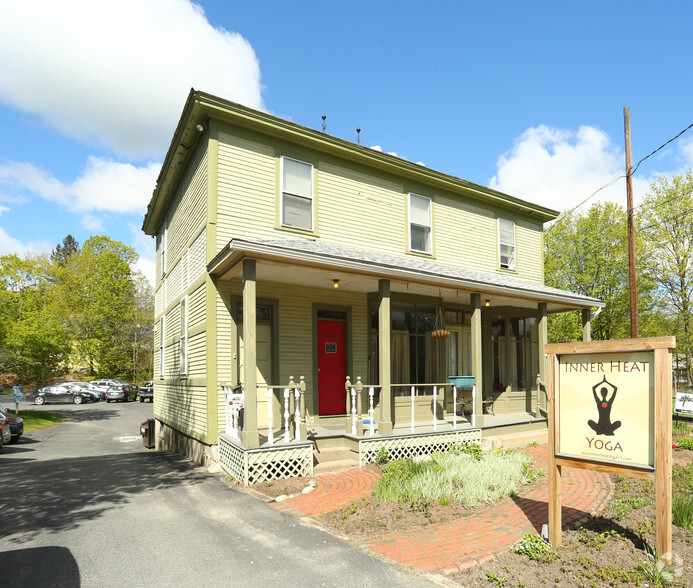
[[315, 264]]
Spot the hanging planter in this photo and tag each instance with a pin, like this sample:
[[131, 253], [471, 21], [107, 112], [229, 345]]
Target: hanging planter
[[439, 330]]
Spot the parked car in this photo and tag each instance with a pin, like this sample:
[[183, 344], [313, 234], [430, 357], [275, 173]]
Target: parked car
[[58, 394], [5, 430], [85, 387], [147, 391], [105, 384], [121, 393], [16, 424]]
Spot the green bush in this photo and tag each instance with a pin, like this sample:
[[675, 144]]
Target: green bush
[[534, 547], [682, 510]]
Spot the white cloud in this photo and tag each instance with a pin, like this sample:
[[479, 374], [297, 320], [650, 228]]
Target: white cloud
[[103, 186], [10, 245], [115, 73], [560, 169]]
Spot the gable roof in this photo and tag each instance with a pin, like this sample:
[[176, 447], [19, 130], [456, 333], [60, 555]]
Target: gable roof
[[396, 267], [201, 107]]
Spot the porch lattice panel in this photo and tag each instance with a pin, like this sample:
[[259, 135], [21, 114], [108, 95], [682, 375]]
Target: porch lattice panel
[[404, 446], [260, 464]]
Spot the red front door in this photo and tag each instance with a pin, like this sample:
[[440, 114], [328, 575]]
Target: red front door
[[331, 367]]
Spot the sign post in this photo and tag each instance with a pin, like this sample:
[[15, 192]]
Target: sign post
[[17, 395], [609, 408]]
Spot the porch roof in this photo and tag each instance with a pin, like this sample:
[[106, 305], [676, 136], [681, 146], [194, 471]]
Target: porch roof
[[398, 268]]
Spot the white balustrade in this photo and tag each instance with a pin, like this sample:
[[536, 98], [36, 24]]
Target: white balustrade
[[371, 410], [297, 414], [413, 422], [435, 408], [287, 436], [353, 411], [270, 417]]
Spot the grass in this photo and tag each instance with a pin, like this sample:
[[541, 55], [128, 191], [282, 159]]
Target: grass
[[35, 420], [459, 478]]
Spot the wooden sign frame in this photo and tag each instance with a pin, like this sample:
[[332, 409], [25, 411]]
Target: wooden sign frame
[[661, 348]]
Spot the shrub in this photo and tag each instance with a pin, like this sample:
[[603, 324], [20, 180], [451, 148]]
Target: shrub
[[382, 456], [682, 510]]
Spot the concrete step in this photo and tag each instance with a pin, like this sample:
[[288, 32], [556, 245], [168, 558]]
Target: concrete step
[[334, 454], [335, 465], [515, 440]]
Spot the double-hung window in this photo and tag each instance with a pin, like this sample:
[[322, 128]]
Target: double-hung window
[[297, 209], [183, 348], [506, 243], [420, 224], [162, 344]]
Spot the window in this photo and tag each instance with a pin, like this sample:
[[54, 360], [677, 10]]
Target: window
[[183, 347], [419, 223], [162, 339], [506, 243], [163, 249], [413, 349], [297, 194]]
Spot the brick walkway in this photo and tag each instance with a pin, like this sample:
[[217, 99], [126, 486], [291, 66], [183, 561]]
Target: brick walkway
[[454, 546]]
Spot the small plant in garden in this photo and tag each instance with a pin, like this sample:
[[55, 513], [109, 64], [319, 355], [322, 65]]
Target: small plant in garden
[[382, 456], [622, 506], [473, 449], [596, 540], [684, 442], [349, 510], [645, 527], [444, 501], [534, 547], [498, 580], [269, 483], [681, 428], [682, 511], [656, 572]]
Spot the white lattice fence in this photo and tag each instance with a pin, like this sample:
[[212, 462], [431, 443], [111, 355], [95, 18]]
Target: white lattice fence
[[404, 446], [261, 464]]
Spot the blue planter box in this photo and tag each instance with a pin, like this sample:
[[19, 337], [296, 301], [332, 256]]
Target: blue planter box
[[462, 381]]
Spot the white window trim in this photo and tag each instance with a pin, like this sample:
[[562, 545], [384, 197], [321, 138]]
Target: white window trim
[[183, 347], [429, 226], [513, 265], [311, 197], [162, 345], [163, 249]]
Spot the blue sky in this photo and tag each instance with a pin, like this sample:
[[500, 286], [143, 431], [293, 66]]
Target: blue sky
[[526, 97]]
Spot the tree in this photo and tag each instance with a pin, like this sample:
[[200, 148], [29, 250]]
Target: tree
[[62, 252], [666, 223], [95, 297], [588, 254], [33, 342]]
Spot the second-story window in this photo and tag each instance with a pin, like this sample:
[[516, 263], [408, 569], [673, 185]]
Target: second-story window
[[420, 223], [506, 244], [296, 194]]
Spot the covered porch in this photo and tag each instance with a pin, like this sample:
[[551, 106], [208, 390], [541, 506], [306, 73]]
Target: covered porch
[[356, 328]]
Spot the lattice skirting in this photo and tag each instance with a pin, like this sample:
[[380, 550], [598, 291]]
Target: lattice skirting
[[260, 464], [404, 446]]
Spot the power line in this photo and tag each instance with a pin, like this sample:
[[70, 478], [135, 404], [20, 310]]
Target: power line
[[637, 165]]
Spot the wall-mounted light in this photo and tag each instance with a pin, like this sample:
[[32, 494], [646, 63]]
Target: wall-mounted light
[[200, 127], [335, 284], [487, 302]]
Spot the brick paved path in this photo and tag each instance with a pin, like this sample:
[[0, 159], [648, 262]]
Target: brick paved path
[[454, 546]]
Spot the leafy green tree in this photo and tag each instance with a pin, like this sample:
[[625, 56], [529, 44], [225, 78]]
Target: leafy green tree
[[588, 254], [62, 252], [666, 223], [33, 342]]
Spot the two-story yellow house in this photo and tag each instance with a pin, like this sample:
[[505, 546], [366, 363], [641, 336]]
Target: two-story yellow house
[[289, 260]]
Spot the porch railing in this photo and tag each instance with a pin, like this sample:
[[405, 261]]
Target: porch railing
[[291, 417], [354, 407], [417, 389]]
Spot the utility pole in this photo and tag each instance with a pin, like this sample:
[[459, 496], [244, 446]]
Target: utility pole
[[631, 229]]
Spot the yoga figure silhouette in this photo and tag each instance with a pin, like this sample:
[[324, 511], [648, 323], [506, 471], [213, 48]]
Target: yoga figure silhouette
[[604, 426]]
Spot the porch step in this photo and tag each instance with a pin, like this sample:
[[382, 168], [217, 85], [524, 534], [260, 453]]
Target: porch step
[[332, 459], [515, 440]]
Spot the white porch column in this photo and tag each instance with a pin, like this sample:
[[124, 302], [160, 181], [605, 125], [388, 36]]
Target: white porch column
[[543, 334], [384, 357], [250, 437], [477, 363]]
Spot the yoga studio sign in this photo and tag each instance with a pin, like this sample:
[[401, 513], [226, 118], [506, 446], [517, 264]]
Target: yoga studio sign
[[605, 407], [609, 410]]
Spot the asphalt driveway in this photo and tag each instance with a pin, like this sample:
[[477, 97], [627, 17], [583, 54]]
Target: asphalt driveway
[[85, 504]]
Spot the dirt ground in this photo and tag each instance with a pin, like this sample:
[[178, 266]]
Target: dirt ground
[[605, 551]]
